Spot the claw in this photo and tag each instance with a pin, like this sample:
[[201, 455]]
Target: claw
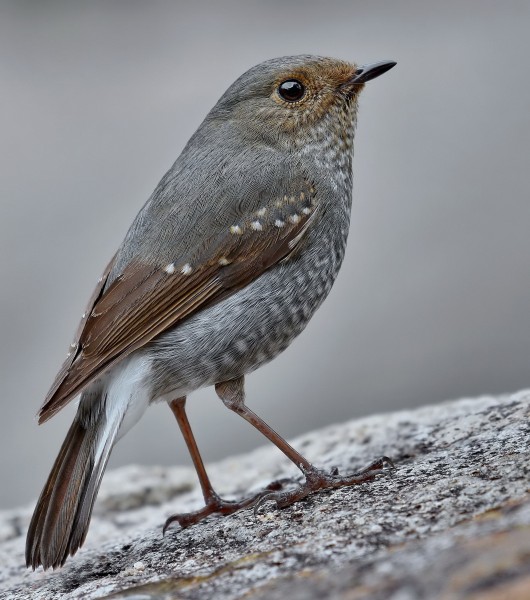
[[377, 465], [185, 519], [388, 462], [166, 526], [261, 501]]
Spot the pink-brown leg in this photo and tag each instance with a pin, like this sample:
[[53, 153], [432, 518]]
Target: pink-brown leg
[[233, 396], [214, 504]]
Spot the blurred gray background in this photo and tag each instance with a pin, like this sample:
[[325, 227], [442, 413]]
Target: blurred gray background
[[97, 100]]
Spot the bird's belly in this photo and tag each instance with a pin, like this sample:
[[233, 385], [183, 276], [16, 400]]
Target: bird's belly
[[245, 330]]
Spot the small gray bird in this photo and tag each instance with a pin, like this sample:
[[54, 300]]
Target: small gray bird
[[223, 267]]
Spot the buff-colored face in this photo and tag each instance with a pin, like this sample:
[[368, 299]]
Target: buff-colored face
[[284, 99], [287, 96], [305, 96], [310, 91]]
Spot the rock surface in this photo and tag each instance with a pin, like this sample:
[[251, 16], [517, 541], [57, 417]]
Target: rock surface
[[451, 521]]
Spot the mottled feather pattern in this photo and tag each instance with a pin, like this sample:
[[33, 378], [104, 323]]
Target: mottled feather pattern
[[222, 268], [145, 299]]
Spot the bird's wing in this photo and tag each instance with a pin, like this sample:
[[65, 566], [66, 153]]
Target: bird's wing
[[146, 299]]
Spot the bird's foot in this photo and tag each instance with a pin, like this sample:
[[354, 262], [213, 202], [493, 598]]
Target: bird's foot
[[215, 505], [316, 480]]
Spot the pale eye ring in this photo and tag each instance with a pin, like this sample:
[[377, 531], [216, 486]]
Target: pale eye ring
[[291, 90]]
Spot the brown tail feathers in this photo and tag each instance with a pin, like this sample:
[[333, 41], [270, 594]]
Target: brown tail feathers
[[60, 522]]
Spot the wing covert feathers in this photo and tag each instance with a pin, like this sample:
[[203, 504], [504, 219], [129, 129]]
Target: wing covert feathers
[[146, 299]]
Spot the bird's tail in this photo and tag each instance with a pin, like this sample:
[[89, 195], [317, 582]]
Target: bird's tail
[[62, 515], [107, 410]]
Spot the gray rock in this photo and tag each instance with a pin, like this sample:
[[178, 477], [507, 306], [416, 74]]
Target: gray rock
[[452, 520]]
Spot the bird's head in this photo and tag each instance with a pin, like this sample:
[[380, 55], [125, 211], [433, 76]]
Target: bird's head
[[289, 99]]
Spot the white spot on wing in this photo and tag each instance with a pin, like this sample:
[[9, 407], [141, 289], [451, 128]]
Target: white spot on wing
[[170, 269], [294, 219], [279, 223], [304, 228], [256, 226], [223, 261], [186, 269], [262, 212], [235, 229]]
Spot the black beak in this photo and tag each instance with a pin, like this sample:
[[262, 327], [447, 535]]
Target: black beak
[[367, 72]]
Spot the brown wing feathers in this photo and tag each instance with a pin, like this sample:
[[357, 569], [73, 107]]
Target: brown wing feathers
[[147, 299], [44, 413]]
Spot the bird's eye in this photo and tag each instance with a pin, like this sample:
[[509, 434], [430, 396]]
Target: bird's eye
[[291, 90]]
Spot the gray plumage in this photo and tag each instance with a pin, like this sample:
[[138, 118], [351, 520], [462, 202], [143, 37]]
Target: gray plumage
[[257, 169]]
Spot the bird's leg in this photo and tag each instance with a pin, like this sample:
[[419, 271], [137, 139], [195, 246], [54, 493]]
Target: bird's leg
[[213, 502], [233, 396]]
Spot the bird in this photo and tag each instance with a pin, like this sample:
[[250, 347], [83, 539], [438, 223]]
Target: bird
[[225, 264]]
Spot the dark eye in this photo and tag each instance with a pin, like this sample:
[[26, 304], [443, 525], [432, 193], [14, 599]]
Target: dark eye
[[291, 90]]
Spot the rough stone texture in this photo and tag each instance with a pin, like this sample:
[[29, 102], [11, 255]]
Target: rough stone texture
[[452, 520]]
